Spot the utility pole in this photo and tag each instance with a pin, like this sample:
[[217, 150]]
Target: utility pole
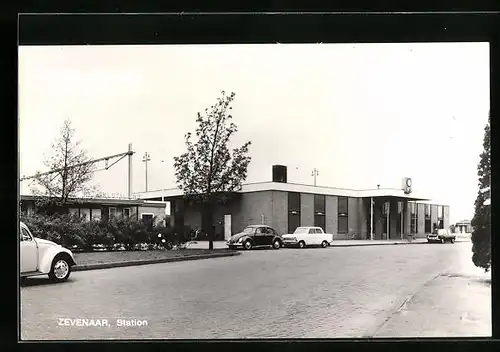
[[145, 159], [314, 173], [130, 171]]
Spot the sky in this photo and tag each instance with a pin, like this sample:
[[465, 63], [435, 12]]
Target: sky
[[361, 114]]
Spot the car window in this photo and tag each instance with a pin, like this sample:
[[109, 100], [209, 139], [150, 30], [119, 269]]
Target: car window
[[272, 231], [260, 230], [25, 236], [319, 231], [312, 231], [301, 230]]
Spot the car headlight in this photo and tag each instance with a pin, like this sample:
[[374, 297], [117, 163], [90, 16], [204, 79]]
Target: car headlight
[[240, 240]]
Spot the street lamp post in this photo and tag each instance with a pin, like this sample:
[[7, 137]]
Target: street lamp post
[[314, 173], [145, 159]]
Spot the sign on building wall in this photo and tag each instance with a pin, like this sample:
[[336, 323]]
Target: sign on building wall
[[406, 185]]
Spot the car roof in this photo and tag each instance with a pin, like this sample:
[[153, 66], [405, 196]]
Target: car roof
[[258, 226]]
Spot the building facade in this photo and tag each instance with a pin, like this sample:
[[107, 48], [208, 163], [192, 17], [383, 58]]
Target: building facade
[[346, 213], [104, 209]]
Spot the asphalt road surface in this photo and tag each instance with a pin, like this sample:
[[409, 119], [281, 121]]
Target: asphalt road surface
[[288, 293]]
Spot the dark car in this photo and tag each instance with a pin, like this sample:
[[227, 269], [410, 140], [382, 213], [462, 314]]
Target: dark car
[[441, 235], [256, 236]]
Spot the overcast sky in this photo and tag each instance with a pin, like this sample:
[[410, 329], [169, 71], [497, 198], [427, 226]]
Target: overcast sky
[[363, 114]]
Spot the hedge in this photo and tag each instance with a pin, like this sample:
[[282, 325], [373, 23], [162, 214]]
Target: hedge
[[71, 230]]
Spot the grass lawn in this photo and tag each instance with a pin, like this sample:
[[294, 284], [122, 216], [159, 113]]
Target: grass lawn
[[125, 256]]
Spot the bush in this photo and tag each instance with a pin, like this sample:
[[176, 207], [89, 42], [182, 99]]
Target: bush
[[69, 230]]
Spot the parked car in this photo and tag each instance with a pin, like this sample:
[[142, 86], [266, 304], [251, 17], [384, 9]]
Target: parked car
[[99, 248], [42, 257], [256, 236], [119, 247], [141, 247], [441, 235], [308, 236]]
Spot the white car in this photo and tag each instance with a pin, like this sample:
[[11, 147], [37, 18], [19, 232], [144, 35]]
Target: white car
[[42, 257], [308, 236], [441, 235]]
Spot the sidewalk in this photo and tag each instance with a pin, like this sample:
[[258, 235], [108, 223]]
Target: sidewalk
[[456, 303], [335, 243], [106, 260]]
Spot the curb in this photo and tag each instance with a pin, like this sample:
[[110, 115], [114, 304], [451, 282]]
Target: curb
[[150, 261], [375, 244], [383, 244]]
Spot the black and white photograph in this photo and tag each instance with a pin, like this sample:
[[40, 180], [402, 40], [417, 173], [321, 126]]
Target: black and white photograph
[[254, 191]]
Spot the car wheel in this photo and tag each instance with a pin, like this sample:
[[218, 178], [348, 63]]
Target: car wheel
[[248, 245], [302, 244], [60, 270], [324, 244], [276, 244], [442, 240], [452, 240]]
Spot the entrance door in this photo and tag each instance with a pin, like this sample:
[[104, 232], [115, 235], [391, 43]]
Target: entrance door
[[28, 252], [227, 227]]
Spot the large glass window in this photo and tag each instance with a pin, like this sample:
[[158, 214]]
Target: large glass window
[[414, 222], [440, 216], [293, 211], [343, 203], [294, 202], [428, 227], [319, 211]]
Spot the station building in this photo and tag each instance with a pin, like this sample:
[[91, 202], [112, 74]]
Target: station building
[[106, 208], [345, 213]]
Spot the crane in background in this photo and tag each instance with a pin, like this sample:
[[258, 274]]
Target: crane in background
[[106, 160]]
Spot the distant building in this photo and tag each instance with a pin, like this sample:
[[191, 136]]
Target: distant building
[[346, 213], [106, 208], [463, 226]]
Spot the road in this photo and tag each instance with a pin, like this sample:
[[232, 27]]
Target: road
[[288, 293]]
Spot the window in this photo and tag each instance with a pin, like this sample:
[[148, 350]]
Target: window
[[319, 211], [112, 212], [428, 227], [293, 211], [343, 203], [319, 231], [440, 217], [293, 202], [312, 231], [147, 218], [25, 236], [105, 213], [414, 222], [126, 213]]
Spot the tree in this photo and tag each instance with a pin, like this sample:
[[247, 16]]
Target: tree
[[207, 172], [481, 223], [71, 172]]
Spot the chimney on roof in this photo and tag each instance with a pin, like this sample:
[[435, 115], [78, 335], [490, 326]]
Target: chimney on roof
[[279, 173]]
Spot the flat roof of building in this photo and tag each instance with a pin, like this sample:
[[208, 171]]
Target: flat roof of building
[[103, 201], [301, 188]]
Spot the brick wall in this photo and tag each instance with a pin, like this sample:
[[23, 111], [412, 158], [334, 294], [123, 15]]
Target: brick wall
[[158, 210], [252, 207], [363, 217], [446, 217], [279, 211], [306, 209], [331, 210], [353, 218]]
